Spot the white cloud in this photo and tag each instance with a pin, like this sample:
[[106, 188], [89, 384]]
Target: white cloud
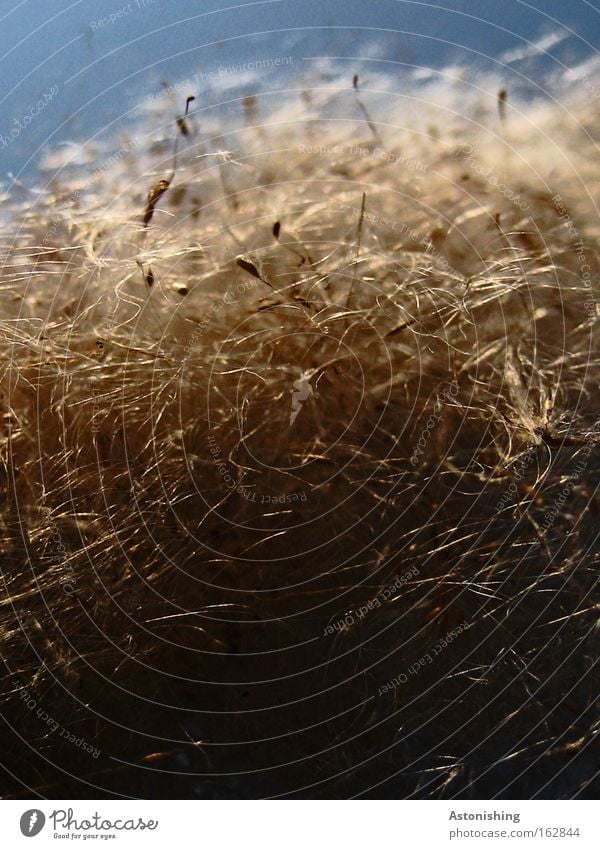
[[533, 48]]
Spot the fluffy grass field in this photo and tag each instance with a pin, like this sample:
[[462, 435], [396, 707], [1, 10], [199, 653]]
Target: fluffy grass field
[[300, 449]]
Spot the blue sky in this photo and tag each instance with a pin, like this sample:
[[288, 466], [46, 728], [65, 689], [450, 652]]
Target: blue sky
[[101, 66]]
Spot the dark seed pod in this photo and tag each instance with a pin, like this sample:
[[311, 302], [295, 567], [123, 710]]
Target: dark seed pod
[[502, 95], [155, 193], [248, 266]]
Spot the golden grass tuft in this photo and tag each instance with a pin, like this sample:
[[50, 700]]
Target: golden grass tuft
[[250, 493]]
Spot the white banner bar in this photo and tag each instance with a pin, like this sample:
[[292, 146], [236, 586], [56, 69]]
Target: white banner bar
[[301, 824]]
